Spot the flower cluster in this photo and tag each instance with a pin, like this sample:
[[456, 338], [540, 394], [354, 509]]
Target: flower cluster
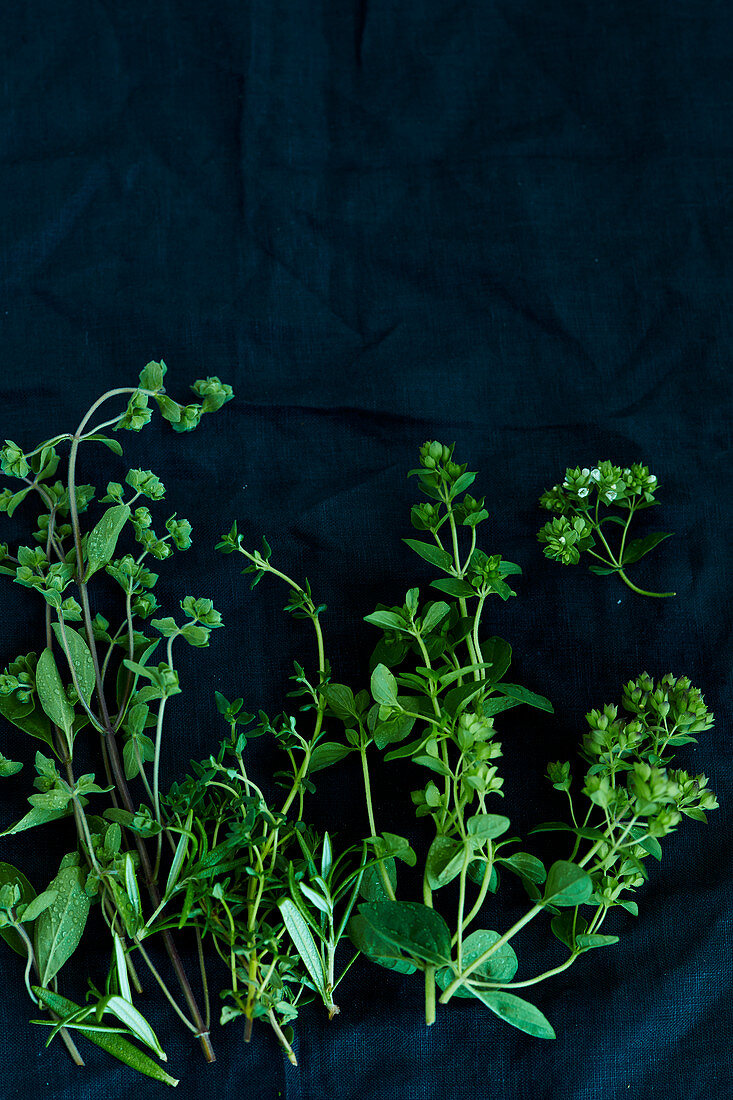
[[579, 522], [564, 538]]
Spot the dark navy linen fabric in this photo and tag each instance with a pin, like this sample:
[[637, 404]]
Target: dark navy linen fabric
[[505, 224]]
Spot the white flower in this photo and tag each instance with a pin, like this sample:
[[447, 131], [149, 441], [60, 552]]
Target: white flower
[[610, 495], [585, 471], [583, 492], [595, 474]]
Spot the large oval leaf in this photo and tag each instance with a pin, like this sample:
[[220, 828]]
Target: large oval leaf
[[416, 929]]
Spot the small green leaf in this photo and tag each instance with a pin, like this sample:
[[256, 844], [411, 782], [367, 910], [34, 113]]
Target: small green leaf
[[305, 945], [384, 686], [326, 754], [131, 887], [102, 539], [567, 884], [431, 553], [487, 826], [444, 861], [178, 857], [387, 620], [59, 928], [9, 767], [517, 1012], [340, 699], [80, 657], [9, 875], [111, 443], [128, 1015], [389, 845], [434, 616], [499, 654], [501, 965], [37, 906], [586, 942], [454, 586], [526, 866], [523, 695], [37, 816], [639, 547], [51, 693]]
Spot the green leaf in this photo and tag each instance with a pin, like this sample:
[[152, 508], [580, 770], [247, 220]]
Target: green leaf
[[372, 884], [523, 695], [38, 905], [444, 861], [517, 1012], [60, 927], [566, 926], [37, 816], [128, 1015], [499, 654], [326, 754], [501, 966], [131, 887], [602, 570], [389, 846], [51, 693], [112, 1043], [111, 443], [393, 730], [80, 656], [567, 884], [10, 876], [9, 767], [417, 930], [526, 866], [491, 707], [434, 615], [431, 553], [17, 499], [151, 376], [305, 945], [102, 539], [376, 948], [384, 686], [639, 547], [454, 586], [28, 717], [487, 826], [459, 697], [170, 410], [585, 943], [178, 858], [387, 620], [462, 483], [340, 699]]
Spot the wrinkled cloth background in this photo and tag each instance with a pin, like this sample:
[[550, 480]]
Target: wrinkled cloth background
[[505, 224]]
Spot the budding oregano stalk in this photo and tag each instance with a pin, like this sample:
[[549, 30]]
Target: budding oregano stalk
[[588, 500], [94, 679]]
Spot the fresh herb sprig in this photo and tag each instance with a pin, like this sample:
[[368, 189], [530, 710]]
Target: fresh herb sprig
[[588, 500], [92, 678], [439, 682]]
